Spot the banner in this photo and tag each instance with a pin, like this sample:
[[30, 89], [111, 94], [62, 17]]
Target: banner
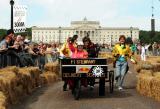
[[19, 18]]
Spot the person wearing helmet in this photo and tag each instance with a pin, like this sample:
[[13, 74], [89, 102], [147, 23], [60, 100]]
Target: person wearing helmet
[[80, 52]]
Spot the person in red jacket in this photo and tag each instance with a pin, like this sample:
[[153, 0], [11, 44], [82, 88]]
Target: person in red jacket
[[80, 52]]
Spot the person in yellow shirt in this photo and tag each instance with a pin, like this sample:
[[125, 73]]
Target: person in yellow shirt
[[65, 50], [121, 53]]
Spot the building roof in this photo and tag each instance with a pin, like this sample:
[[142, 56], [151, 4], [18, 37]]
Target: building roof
[[85, 23]]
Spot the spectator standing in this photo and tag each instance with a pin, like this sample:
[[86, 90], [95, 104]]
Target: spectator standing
[[3, 49], [147, 49], [154, 48], [143, 53], [48, 53], [42, 49], [12, 48]]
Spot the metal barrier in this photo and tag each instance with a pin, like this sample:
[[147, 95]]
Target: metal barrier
[[25, 58]]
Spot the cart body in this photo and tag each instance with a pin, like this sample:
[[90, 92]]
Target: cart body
[[95, 68]]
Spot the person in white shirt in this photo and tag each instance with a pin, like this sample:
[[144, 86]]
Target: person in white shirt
[[143, 53], [146, 48]]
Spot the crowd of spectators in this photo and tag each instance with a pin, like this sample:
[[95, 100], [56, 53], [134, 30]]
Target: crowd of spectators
[[21, 52]]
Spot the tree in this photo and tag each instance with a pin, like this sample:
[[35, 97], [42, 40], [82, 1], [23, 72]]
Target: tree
[[145, 37]]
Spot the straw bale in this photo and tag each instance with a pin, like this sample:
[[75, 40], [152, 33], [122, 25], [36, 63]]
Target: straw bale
[[146, 72], [52, 67], [108, 56], [156, 74], [29, 78], [144, 85], [143, 65], [156, 67], [156, 88], [8, 82], [48, 78], [3, 101], [16, 83]]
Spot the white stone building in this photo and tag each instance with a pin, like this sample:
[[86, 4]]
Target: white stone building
[[98, 34]]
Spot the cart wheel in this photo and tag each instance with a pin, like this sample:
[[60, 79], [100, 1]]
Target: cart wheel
[[111, 81], [102, 87], [77, 90]]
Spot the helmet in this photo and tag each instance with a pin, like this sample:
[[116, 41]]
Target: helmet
[[80, 43]]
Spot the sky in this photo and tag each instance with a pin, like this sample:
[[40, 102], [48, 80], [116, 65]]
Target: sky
[[110, 13]]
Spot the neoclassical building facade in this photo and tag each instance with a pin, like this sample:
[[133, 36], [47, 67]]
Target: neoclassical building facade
[[98, 34]]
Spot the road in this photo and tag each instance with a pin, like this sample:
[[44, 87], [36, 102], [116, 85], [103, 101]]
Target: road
[[52, 97]]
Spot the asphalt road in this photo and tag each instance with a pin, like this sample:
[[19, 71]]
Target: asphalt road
[[52, 97]]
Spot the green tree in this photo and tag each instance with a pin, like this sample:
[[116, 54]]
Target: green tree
[[2, 33], [145, 37]]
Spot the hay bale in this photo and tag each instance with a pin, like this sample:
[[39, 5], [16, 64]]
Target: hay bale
[[108, 56], [143, 66], [146, 72], [52, 67], [156, 67], [48, 78], [156, 88], [8, 81], [3, 101], [156, 74], [29, 78], [144, 85], [147, 66]]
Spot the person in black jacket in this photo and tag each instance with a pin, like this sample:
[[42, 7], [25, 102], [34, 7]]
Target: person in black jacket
[[92, 53], [12, 50], [90, 47]]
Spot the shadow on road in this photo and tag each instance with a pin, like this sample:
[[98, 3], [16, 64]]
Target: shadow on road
[[88, 94]]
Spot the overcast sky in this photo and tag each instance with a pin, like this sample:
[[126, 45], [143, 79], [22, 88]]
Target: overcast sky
[[110, 13]]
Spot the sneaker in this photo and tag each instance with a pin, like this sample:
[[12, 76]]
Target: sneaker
[[120, 88]]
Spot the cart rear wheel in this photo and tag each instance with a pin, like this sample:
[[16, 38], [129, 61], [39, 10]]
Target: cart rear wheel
[[77, 90]]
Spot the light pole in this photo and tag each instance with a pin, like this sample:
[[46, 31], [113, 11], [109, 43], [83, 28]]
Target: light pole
[[131, 30], [11, 3]]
